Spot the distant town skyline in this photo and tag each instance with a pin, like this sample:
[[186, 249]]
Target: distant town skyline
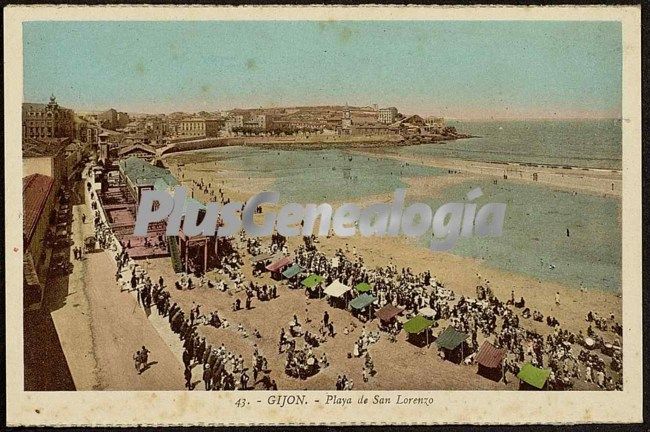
[[463, 70]]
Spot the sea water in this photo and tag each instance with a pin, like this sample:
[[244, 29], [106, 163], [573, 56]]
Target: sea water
[[534, 241], [316, 176], [580, 143]]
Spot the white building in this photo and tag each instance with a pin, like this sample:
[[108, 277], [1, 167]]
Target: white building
[[387, 115], [233, 122]]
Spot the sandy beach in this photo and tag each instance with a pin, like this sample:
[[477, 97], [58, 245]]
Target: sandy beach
[[586, 180], [458, 273]]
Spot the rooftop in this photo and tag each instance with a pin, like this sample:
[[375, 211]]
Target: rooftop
[[199, 119], [36, 190], [137, 146], [140, 172], [28, 106], [44, 147]]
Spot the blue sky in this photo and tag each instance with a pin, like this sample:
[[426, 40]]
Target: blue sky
[[467, 69]]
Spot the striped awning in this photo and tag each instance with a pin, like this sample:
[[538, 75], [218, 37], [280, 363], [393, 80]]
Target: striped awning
[[279, 264], [490, 356]]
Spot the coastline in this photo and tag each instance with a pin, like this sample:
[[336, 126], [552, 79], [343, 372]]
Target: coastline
[[596, 184], [241, 189], [598, 181], [313, 142]]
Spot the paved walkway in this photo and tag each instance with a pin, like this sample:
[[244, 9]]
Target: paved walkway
[[100, 327]]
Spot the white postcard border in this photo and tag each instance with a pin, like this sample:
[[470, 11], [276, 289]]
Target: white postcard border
[[218, 408]]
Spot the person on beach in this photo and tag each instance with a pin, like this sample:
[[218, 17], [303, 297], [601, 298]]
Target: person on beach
[[141, 358], [207, 377]]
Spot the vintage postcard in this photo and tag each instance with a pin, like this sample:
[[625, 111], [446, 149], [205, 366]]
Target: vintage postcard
[[322, 215]]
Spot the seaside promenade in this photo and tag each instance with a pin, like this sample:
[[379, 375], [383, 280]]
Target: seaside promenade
[[100, 327]]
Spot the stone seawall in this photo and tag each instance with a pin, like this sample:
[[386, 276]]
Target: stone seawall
[[305, 142]]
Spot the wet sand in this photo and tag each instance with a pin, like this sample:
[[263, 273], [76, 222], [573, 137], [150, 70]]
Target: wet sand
[[586, 180]]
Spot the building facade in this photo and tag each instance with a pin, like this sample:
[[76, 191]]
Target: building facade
[[438, 122], [39, 199], [387, 115], [199, 127], [139, 150], [122, 120], [234, 122], [46, 157], [259, 122], [111, 119], [47, 120]]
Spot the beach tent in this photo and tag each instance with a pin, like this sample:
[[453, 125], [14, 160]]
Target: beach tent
[[311, 281], [532, 377], [337, 289], [417, 325], [260, 261], [279, 264], [363, 287], [490, 361], [292, 271], [262, 257], [452, 343], [276, 267], [363, 301], [313, 285], [388, 313], [427, 312]]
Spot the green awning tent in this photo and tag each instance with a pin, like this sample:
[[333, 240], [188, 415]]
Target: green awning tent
[[292, 271], [363, 287], [451, 338], [312, 280], [362, 301], [534, 376], [417, 324]]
